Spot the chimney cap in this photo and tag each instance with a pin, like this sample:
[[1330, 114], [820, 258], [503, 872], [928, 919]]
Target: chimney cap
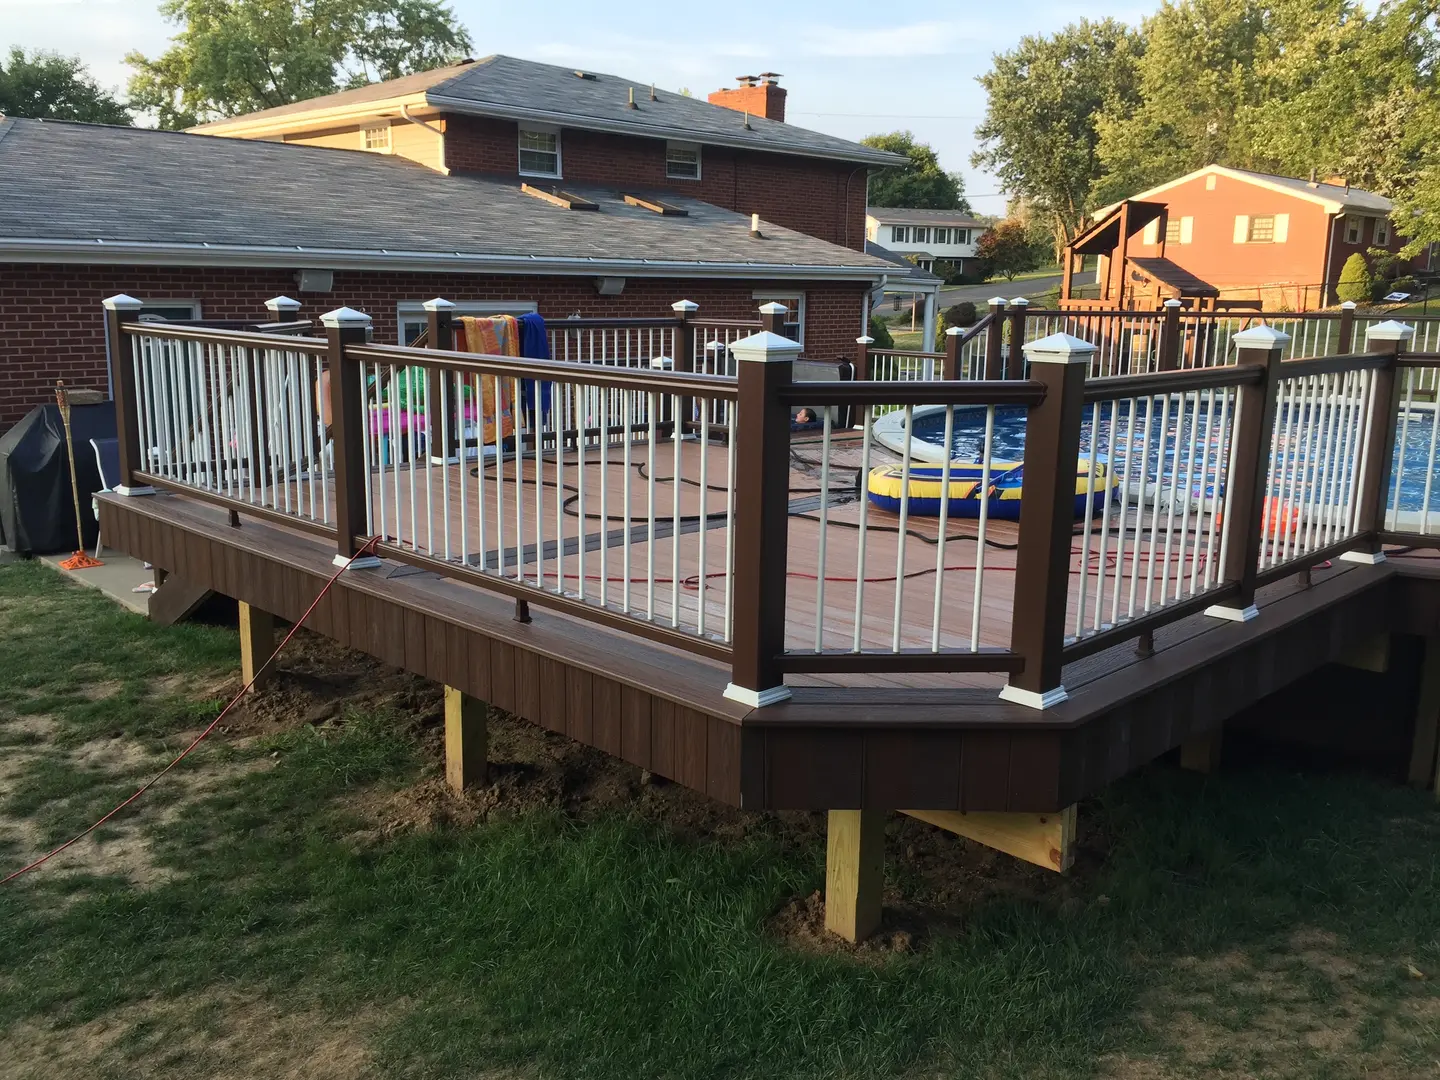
[[769, 76]]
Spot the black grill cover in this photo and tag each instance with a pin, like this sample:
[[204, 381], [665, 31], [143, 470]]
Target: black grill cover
[[37, 516]]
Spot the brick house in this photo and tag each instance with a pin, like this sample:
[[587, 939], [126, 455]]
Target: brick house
[[203, 227], [1228, 237]]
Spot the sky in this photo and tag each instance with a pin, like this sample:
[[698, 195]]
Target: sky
[[852, 69]]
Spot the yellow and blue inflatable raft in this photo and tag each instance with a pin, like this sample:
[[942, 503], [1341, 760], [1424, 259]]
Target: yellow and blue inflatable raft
[[887, 484]]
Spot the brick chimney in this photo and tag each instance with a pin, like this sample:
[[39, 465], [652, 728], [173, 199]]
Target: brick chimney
[[761, 95]]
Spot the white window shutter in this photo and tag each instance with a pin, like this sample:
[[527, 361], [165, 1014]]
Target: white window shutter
[[1242, 228], [1151, 235], [1187, 229], [1282, 228]]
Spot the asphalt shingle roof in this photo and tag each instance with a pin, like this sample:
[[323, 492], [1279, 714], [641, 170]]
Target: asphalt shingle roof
[[523, 89], [91, 187], [904, 215]]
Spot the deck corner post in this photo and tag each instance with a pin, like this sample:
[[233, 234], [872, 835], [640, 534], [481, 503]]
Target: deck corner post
[[682, 351], [862, 357], [1377, 455], [345, 327], [764, 368], [1047, 519], [283, 309], [120, 310], [1015, 358], [1244, 503], [854, 872], [467, 746], [1169, 358], [1346, 336], [995, 340], [950, 366], [772, 317]]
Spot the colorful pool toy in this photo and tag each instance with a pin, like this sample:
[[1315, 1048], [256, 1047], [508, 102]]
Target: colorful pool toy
[[887, 484]]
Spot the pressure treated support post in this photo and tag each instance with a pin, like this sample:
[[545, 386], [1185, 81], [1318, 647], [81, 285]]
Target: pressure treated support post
[[1250, 470], [442, 425], [1426, 739], [1169, 356], [1345, 343], [764, 363], [854, 872], [995, 340], [1201, 753], [950, 366], [1047, 519], [257, 645], [682, 352], [1015, 359], [862, 358], [347, 327], [772, 317], [119, 310], [467, 743], [1377, 456]]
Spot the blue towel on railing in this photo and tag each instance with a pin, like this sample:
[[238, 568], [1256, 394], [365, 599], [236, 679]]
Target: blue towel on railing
[[534, 345]]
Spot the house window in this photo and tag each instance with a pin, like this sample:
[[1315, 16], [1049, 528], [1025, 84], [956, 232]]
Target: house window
[[1262, 229], [682, 161], [1172, 231], [960, 236], [1352, 230], [412, 318], [539, 152], [377, 139], [942, 236], [794, 325], [1382, 232], [169, 310], [899, 234], [922, 234]]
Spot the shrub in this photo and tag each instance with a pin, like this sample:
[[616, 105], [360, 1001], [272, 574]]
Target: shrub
[[1403, 284], [961, 314], [1356, 283], [881, 333]]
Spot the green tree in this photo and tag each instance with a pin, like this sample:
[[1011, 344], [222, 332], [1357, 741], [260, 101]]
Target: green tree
[[237, 56], [1039, 134], [48, 86], [1007, 249], [1355, 282], [922, 183]]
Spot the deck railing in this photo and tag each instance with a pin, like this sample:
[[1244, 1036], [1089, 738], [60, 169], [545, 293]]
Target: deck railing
[[609, 492]]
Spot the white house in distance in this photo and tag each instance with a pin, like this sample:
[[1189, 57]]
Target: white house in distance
[[925, 235]]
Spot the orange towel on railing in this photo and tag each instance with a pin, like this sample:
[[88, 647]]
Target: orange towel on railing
[[498, 335]]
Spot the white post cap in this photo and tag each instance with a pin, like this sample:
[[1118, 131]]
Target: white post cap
[[278, 304], [1060, 349], [1348, 305], [774, 307], [1261, 337], [438, 304], [1173, 303], [765, 346], [1020, 301], [662, 363], [121, 302], [685, 306], [865, 340], [342, 317], [1389, 330], [953, 331], [996, 301]]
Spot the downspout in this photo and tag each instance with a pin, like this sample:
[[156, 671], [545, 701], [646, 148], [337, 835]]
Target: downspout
[[845, 206]]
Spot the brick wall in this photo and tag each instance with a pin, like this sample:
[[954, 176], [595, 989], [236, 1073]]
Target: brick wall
[[823, 198], [52, 325]]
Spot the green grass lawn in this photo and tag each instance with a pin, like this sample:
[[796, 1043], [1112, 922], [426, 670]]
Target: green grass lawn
[[272, 908]]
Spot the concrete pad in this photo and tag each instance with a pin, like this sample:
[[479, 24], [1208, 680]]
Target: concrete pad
[[116, 579]]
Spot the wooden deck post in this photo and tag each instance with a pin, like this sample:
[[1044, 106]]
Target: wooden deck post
[[995, 340], [257, 644], [950, 366], [1426, 739], [854, 872], [343, 327], [862, 358], [764, 364], [1201, 753], [442, 432], [467, 740], [683, 350], [1377, 456], [1345, 342], [283, 309], [119, 310], [1169, 357], [1015, 359], [1047, 519], [1244, 504], [772, 317]]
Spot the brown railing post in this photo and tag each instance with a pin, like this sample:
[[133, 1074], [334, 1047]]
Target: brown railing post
[[764, 365], [345, 327], [1244, 503], [119, 310], [1015, 359], [1377, 456], [283, 309], [862, 358], [1346, 342], [995, 340], [950, 366], [1169, 358], [772, 317], [1047, 519], [439, 429], [684, 352]]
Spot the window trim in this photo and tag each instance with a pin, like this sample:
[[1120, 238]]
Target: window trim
[[539, 129], [411, 311], [1359, 224], [1172, 224], [672, 144], [794, 299], [387, 148], [900, 234], [1251, 238], [917, 238], [1381, 224]]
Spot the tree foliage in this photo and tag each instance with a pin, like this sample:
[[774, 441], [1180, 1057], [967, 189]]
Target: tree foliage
[[1007, 249], [1039, 135], [48, 86], [922, 183], [237, 56]]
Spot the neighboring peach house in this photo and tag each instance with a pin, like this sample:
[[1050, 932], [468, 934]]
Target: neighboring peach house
[[1222, 237]]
